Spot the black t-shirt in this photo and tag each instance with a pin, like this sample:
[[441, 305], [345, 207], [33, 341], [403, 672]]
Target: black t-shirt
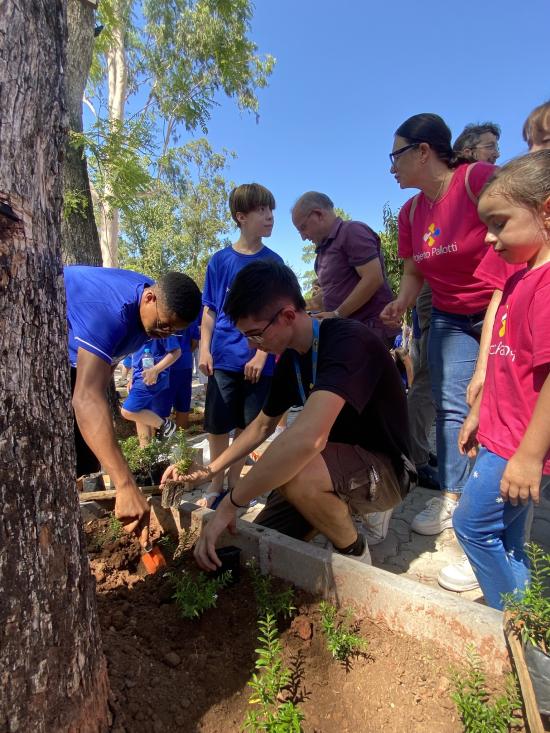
[[354, 364]]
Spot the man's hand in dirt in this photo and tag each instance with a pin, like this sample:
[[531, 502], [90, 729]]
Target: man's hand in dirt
[[205, 550], [253, 368], [132, 509], [467, 438], [521, 480], [196, 474]]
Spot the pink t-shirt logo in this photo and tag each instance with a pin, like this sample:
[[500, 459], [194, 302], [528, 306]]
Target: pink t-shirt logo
[[502, 329], [431, 234]]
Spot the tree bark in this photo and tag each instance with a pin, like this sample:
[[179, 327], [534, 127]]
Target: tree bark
[[79, 236], [117, 71], [53, 675]]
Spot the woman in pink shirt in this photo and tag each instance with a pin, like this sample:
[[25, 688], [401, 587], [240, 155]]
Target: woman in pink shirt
[[442, 241], [510, 415]]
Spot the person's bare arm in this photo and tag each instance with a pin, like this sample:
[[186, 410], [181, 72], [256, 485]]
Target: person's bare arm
[[94, 419], [523, 472], [206, 363], [252, 436], [289, 453], [478, 377], [151, 375], [372, 278], [411, 284]]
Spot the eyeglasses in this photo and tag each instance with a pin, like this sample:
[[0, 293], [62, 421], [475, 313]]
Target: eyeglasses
[[166, 329], [301, 227], [400, 151], [259, 336], [487, 146]]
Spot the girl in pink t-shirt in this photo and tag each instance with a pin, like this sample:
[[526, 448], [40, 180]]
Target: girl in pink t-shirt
[[510, 416], [442, 241]]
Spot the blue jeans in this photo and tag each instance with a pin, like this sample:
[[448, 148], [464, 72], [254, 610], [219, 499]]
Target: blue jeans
[[492, 532], [453, 347]]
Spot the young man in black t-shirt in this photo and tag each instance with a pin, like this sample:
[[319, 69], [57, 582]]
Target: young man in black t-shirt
[[347, 451]]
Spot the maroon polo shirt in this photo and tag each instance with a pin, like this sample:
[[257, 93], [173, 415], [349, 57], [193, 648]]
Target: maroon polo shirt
[[350, 244]]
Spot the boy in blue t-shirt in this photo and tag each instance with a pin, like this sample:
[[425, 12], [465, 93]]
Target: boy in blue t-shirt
[[238, 376], [181, 375], [110, 314], [149, 402]]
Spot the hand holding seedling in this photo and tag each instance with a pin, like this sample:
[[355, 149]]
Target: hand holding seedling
[[224, 517], [132, 509], [193, 474]]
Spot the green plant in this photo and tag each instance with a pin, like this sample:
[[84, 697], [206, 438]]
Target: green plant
[[194, 596], [168, 543], [342, 641], [530, 608], [268, 682], [181, 452], [140, 460], [471, 698], [268, 600]]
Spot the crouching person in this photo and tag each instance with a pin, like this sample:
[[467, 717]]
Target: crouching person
[[347, 452]]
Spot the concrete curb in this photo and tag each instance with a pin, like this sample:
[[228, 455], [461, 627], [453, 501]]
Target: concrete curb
[[403, 604]]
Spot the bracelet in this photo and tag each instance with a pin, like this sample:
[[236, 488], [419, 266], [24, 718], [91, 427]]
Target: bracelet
[[336, 313], [238, 506]]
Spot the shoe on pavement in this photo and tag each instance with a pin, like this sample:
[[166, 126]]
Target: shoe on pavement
[[458, 577], [363, 557], [375, 526], [167, 429], [436, 516]]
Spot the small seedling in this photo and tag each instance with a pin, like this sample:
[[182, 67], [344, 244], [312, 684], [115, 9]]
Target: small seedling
[[168, 543], [471, 698], [530, 607], [181, 452], [267, 600], [113, 531], [268, 683], [194, 596], [342, 641]]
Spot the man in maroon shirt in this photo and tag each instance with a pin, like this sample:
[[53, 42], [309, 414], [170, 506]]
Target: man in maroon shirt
[[349, 263]]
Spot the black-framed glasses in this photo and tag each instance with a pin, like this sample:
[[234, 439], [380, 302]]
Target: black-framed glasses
[[400, 151], [487, 146], [259, 336], [167, 329]]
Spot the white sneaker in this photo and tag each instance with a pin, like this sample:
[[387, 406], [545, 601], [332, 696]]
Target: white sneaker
[[375, 526], [458, 577], [364, 557], [436, 516]]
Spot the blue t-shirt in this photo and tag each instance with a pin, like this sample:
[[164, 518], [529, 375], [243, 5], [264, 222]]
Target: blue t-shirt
[[191, 333], [158, 349], [229, 348], [103, 311]]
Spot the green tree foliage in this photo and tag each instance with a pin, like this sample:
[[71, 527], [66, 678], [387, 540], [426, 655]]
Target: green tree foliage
[[160, 69], [388, 239], [184, 218]]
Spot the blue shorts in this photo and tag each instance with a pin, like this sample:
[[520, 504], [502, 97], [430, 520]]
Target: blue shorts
[[127, 362], [232, 401], [157, 398], [180, 388]]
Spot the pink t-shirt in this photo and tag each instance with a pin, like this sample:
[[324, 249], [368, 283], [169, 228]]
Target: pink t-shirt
[[447, 243], [519, 362]]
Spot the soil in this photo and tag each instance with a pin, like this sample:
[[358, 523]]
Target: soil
[[172, 674]]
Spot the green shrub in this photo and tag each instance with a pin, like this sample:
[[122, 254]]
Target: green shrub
[[268, 600], [342, 641], [194, 596]]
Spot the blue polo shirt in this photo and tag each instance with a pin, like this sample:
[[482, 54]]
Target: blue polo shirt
[[191, 333], [103, 311], [229, 348], [158, 349]]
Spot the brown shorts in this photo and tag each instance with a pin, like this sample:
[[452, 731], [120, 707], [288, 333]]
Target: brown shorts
[[365, 481]]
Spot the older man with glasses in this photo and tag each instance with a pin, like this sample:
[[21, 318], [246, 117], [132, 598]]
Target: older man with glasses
[[479, 142]]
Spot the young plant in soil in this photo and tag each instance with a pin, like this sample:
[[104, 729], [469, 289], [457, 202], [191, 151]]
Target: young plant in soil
[[141, 460], [268, 600], [268, 684], [194, 596], [471, 698], [342, 641], [530, 608]]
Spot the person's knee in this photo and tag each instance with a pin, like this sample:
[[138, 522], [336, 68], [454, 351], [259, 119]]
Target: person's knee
[[127, 415], [305, 486]]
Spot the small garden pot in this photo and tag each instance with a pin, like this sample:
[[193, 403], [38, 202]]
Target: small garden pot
[[230, 558], [538, 664]]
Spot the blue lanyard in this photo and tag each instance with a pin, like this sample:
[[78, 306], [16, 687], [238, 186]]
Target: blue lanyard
[[314, 356]]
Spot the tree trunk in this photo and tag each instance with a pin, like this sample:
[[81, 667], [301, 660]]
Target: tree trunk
[[117, 69], [79, 237], [53, 675]]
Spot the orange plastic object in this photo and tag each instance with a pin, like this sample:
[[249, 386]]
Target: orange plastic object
[[153, 560]]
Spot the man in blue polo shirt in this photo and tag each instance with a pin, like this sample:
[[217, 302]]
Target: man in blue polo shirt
[[112, 313]]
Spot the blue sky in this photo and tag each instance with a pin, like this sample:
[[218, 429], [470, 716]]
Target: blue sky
[[349, 73]]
